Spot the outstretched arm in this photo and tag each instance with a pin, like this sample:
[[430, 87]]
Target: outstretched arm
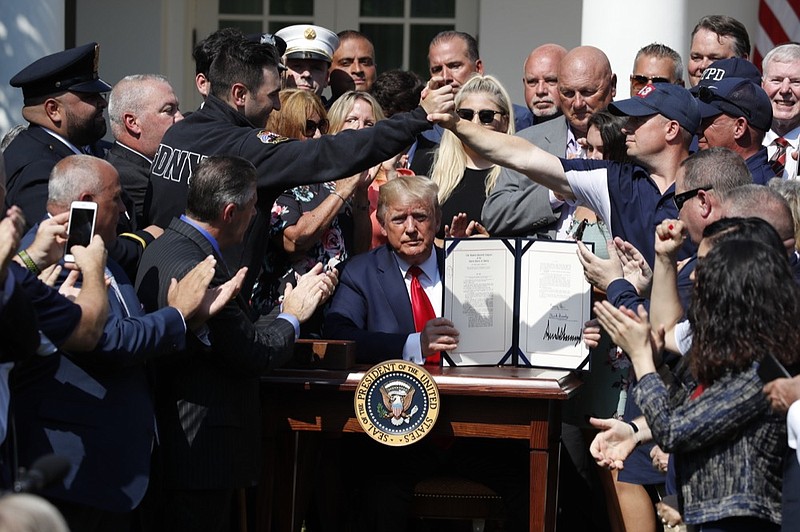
[[512, 152]]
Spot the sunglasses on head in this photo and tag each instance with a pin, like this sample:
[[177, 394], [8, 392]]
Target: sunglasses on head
[[640, 81], [312, 127], [683, 197], [486, 116], [706, 95]]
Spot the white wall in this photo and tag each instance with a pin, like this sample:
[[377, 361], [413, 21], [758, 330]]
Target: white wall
[[510, 29], [129, 34], [29, 29], [156, 36]]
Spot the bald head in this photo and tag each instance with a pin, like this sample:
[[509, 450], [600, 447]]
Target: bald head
[[540, 78], [87, 178], [585, 86]]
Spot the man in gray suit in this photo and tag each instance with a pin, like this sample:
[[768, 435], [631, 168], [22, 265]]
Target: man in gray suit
[[518, 206]]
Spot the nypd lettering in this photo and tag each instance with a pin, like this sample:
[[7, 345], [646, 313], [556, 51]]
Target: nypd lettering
[[713, 74], [397, 402]]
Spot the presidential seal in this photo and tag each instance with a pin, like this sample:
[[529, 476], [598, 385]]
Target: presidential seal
[[397, 402]]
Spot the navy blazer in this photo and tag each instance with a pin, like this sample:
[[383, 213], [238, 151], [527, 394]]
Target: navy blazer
[[371, 305], [94, 408]]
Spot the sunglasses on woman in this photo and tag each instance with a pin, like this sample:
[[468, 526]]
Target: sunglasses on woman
[[486, 116], [312, 127]]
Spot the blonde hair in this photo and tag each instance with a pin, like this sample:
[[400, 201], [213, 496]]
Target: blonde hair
[[409, 188], [344, 105], [297, 106], [450, 159]]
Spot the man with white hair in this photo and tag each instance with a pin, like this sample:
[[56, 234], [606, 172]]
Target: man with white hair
[[781, 81], [141, 108]]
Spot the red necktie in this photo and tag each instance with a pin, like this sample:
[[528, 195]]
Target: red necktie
[[422, 309], [778, 159]]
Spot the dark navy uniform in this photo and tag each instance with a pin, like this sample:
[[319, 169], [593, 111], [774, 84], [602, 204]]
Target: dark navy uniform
[[29, 159], [281, 164], [759, 167], [33, 154], [134, 176]]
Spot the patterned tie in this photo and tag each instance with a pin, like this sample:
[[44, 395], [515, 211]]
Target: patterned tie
[[422, 309], [778, 159]]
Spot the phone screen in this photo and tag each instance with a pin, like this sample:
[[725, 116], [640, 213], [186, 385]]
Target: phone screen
[[80, 227]]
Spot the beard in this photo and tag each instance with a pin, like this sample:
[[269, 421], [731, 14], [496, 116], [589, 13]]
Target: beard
[[85, 131], [546, 113]]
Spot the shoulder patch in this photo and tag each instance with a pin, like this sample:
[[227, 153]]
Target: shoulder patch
[[267, 137]]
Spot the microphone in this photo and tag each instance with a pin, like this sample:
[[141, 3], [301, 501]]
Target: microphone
[[44, 471]]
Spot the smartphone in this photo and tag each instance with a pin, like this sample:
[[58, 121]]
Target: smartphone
[[80, 230]]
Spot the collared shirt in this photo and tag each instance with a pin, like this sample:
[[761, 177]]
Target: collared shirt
[[573, 149], [760, 168], [627, 199], [64, 141], [793, 138], [432, 284], [140, 154], [214, 244]]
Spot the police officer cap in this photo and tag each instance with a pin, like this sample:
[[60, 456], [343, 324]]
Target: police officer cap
[[305, 41], [273, 40], [71, 70]]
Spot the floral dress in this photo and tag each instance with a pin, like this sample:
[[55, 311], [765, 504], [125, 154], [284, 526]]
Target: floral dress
[[279, 266]]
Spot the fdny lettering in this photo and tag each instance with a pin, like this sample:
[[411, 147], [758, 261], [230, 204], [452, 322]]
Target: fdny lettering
[[714, 74], [175, 165]]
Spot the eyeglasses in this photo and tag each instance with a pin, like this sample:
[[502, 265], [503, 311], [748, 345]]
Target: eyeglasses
[[683, 197], [706, 95], [638, 81], [486, 116], [312, 127]]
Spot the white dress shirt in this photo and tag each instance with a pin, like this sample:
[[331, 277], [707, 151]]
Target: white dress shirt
[[432, 284], [793, 138]]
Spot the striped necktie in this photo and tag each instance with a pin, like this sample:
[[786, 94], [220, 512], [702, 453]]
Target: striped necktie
[[778, 159]]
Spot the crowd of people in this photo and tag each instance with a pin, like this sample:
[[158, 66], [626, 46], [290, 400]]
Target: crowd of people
[[308, 197]]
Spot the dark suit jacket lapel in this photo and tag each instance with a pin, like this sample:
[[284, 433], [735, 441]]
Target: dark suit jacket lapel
[[187, 230], [126, 291], [394, 288]]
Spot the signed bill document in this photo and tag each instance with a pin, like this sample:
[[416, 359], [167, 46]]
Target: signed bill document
[[516, 301]]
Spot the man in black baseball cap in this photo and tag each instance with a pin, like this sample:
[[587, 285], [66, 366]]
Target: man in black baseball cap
[[736, 114], [63, 103]]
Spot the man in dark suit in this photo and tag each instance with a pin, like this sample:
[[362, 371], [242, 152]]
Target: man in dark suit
[[141, 108], [373, 303], [94, 408], [207, 402]]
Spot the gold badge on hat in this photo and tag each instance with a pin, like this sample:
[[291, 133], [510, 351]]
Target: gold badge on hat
[[310, 34], [96, 58]]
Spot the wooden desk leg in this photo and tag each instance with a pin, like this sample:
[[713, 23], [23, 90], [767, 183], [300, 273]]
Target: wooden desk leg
[[275, 502], [544, 464]]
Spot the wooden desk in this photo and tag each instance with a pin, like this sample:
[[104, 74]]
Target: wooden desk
[[487, 402]]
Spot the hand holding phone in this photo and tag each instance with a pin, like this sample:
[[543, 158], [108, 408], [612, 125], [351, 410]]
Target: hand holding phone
[[82, 215]]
